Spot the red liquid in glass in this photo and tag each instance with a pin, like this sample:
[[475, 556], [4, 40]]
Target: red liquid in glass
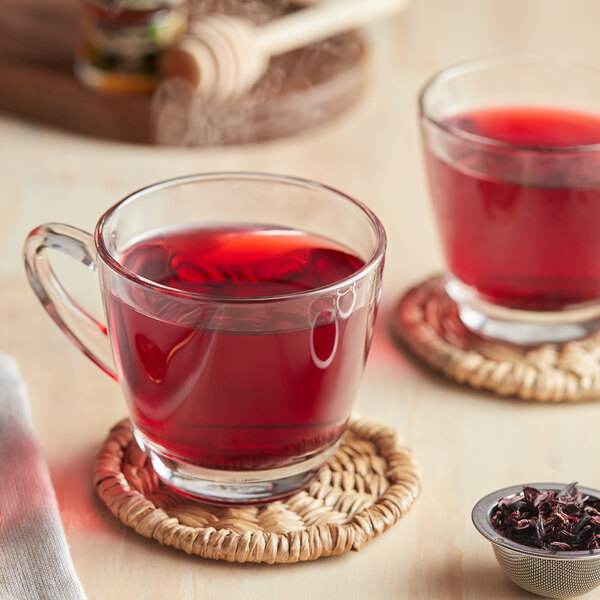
[[522, 227], [249, 389]]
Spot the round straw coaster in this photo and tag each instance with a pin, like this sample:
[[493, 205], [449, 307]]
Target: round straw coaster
[[426, 320], [364, 488]]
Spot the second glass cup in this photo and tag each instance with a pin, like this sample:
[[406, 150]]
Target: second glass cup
[[240, 313], [512, 147]]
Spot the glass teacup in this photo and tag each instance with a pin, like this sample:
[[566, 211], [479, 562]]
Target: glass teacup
[[240, 310], [512, 146]]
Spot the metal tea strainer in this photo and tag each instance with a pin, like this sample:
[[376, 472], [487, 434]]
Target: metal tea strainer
[[552, 574]]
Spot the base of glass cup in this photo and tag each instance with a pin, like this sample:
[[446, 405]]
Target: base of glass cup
[[521, 327], [232, 487]]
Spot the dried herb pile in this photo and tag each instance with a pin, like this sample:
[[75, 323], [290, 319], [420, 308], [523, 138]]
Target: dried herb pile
[[554, 521]]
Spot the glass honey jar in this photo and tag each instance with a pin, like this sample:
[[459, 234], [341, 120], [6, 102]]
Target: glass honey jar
[[121, 42]]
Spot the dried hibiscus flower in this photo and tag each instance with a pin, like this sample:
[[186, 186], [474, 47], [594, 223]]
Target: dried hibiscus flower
[[551, 520]]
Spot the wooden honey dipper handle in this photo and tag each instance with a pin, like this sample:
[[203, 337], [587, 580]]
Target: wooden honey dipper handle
[[320, 21], [224, 56]]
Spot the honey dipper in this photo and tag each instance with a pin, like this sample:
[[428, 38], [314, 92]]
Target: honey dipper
[[223, 56]]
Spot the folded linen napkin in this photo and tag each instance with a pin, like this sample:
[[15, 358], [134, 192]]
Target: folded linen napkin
[[34, 556]]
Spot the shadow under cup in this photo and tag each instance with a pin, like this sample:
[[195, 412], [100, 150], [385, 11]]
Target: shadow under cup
[[236, 398], [512, 149]]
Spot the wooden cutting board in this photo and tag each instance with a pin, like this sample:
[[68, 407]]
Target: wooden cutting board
[[37, 41]]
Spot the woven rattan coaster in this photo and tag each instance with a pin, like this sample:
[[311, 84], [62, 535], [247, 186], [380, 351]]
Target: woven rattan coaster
[[426, 319], [365, 487]]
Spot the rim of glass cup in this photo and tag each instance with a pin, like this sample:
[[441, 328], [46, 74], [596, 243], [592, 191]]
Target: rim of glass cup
[[120, 269], [481, 519], [475, 64]]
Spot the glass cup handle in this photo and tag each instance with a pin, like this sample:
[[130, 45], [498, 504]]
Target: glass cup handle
[[88, 334]]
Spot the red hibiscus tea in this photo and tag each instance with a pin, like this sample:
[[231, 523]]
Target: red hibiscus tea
[[512, 148], [238, 389], [522, 228], [240, 311]]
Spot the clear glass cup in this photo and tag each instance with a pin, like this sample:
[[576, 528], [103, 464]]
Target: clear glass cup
[[512, 149], [236, 398]]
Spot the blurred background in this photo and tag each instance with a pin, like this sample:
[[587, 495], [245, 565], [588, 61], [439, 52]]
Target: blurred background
[[368, 148]]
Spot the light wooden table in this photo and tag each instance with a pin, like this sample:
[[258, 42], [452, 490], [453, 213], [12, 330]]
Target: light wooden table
[[468, 443]]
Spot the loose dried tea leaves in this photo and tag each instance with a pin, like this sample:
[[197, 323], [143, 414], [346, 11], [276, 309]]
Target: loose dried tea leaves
[[551, 520]]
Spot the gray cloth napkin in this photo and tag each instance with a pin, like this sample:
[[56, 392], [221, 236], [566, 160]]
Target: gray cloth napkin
[[34, 556]]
